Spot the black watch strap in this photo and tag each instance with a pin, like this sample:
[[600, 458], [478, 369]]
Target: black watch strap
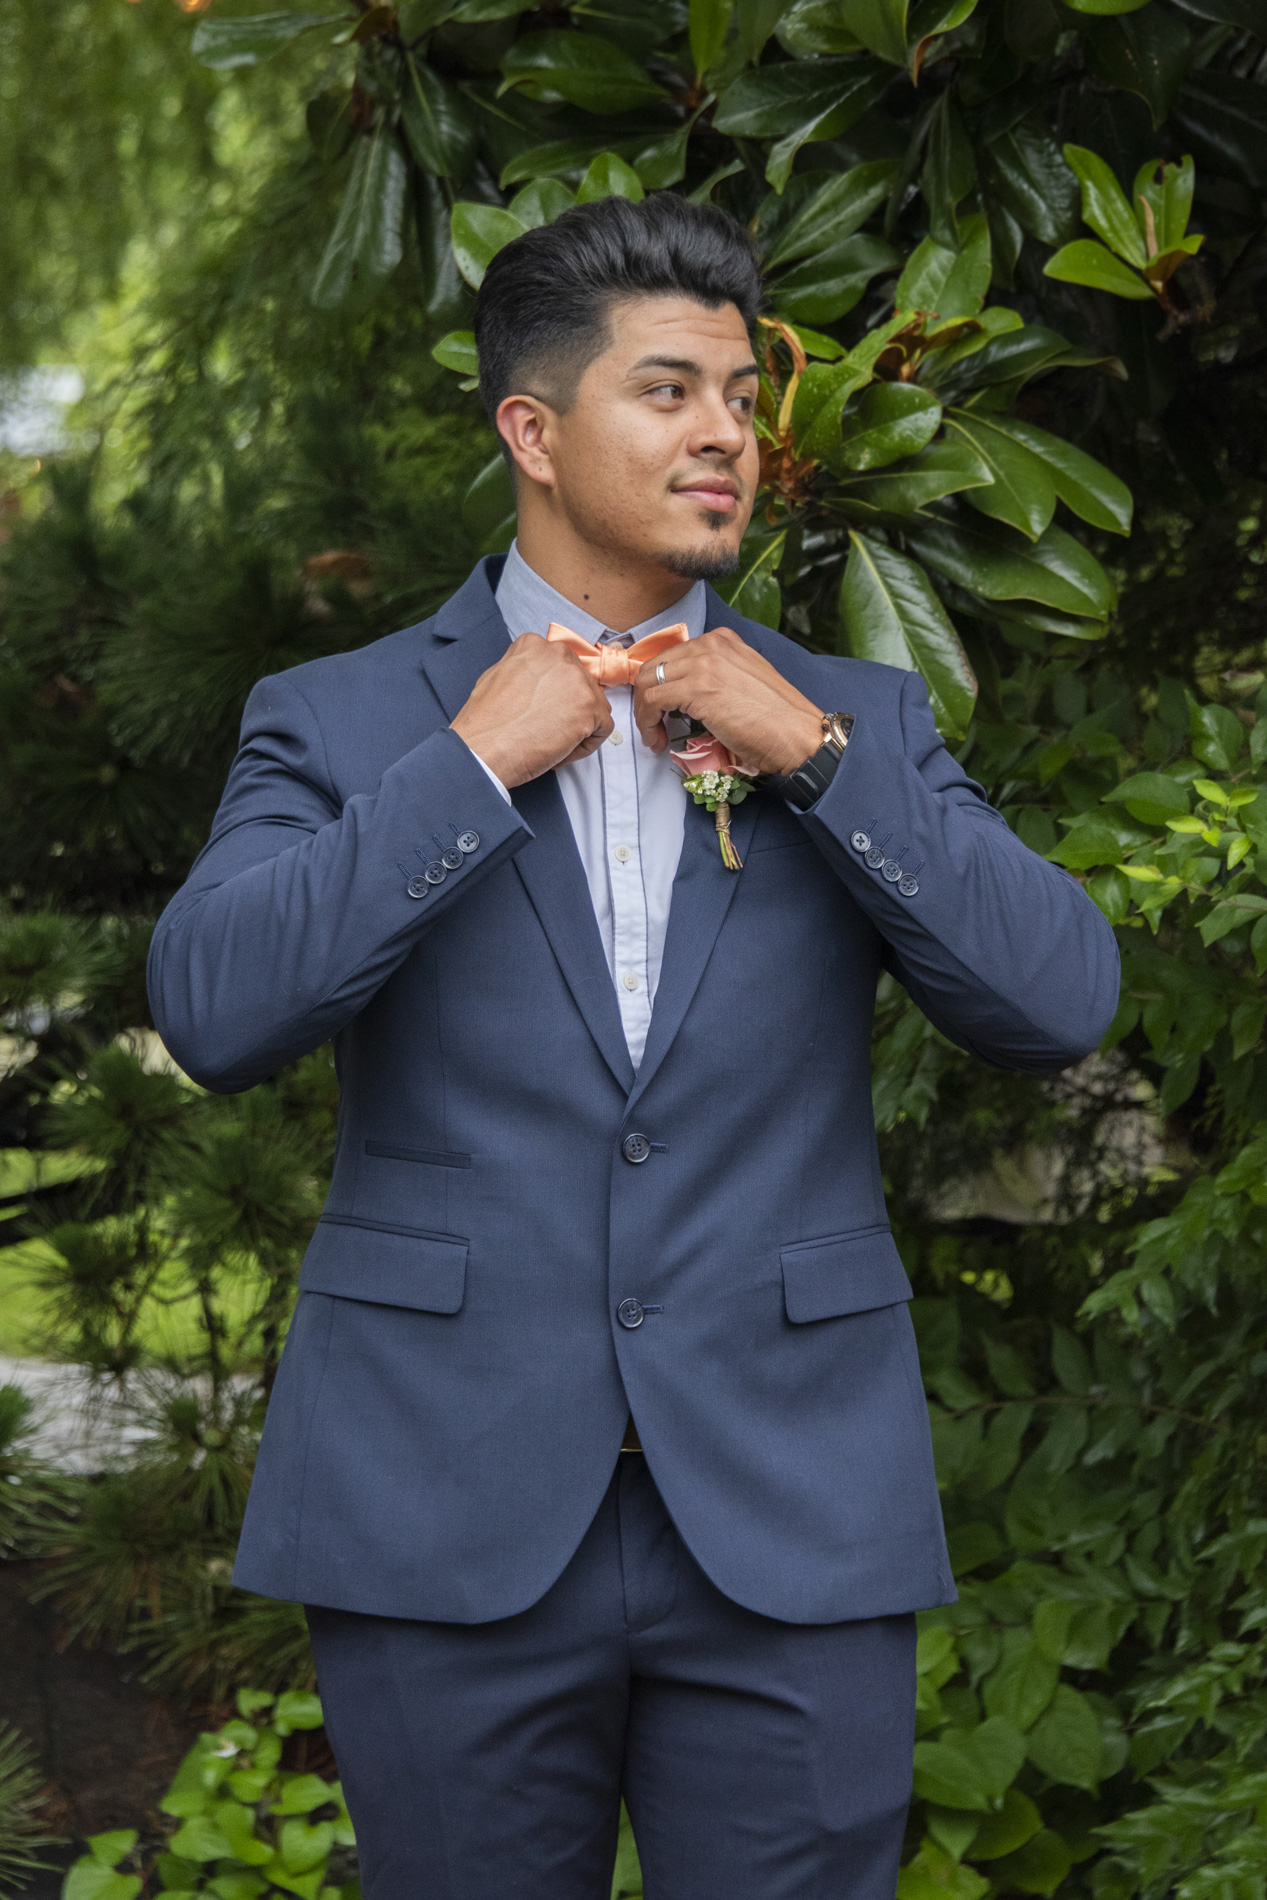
[[806, 785]]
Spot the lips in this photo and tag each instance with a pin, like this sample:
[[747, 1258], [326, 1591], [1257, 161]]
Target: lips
[[711, 492]]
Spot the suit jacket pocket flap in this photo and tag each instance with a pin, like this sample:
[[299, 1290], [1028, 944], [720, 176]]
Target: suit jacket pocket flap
[[389, 1266], [845, 1273]]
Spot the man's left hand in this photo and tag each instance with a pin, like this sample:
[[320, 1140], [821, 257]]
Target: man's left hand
[[727, 685]]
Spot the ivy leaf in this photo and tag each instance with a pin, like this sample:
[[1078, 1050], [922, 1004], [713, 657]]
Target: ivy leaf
[[890, 613], [226, 44], [889, 420], [578, 69], [479, 232], [367, 235], [1022, 492]]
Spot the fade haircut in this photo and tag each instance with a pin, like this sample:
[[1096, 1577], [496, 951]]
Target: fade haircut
[[541, 316]]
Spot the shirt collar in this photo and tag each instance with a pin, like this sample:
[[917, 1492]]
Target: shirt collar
[[528, 604]]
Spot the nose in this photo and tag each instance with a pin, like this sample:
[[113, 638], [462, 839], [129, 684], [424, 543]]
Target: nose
[[718, 431]]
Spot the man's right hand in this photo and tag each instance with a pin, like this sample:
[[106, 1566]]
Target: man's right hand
[[537, 708]]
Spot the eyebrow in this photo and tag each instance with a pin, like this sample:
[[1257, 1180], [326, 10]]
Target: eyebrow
[[687, 367]]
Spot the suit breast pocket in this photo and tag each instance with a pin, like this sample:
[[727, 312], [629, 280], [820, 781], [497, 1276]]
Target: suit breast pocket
[[853, 1272]]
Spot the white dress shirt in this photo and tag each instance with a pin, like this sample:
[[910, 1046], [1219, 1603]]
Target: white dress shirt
[[625, 802]]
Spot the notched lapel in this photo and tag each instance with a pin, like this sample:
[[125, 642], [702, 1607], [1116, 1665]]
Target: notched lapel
[[702, 894], [465, 639]]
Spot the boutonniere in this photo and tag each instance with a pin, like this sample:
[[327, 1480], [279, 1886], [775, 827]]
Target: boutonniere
[[715, 779]]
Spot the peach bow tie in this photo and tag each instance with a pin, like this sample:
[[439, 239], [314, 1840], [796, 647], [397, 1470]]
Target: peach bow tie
[[618, 666]]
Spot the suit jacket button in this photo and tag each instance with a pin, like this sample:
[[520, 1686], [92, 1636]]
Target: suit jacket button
[[630, 1314], [875, 857], [451, 859], [417, 887], [890, 871], [861, 841], [908, 886], [468, 842], [434, 872], [635, 1148]]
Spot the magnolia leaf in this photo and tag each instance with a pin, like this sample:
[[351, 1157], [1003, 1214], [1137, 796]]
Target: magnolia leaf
[[367, 235], [1145, 52], [949, 283], [1104, 205], [709, 25], [438, 123], [579, 69], [1081, 482], [827, 286], [1027, 175], [610, 177], [1221, 116], [834, 212], [1169, 198], [879, 25], [223, 44], [541, 202], [767, 102], [489, 508], [1056, 571], [754, 591], [945, 467], [889, 420], [479, 232], [1086, 262], [809, 28], [1022, 493], [890, 613]]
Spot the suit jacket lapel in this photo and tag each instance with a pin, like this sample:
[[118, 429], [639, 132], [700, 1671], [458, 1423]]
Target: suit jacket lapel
[[702, 892], [467, 636]]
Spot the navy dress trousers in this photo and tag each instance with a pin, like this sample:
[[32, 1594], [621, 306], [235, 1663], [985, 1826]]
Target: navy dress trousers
[[524, 1242]]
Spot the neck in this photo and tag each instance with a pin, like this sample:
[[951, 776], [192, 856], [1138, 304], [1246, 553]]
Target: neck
[[622, 592]]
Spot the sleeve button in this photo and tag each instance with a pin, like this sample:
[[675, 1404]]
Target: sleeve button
[[861, 841], [468, 841], [451, 859], [908, 886], [890, 871], [417, 887], [435, 872]]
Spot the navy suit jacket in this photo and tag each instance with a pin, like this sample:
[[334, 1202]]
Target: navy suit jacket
[[455, 1385]]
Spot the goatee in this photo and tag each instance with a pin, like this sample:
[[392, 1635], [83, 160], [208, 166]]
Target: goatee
[[703, 563]]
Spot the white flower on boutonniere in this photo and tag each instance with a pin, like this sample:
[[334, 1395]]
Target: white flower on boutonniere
[[715, 779]]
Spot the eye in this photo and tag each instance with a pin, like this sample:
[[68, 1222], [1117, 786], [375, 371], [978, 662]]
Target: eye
[[744, 404], [672, 390]]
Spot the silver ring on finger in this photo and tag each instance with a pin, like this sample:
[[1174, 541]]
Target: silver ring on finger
[[659, 672]]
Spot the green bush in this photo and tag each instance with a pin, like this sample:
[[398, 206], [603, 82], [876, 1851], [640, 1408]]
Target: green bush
[[22, 1834]]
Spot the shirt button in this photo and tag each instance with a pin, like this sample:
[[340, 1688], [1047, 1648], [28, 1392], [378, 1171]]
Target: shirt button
[[621, 854], [468, 842], [629, 980], [618, 737], [635, 1148], [630, 1314], [861, 841]]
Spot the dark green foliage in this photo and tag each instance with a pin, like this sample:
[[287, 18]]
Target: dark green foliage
[[22, 1836]]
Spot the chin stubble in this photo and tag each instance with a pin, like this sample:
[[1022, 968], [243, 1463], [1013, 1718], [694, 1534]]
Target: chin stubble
[[703, 563]]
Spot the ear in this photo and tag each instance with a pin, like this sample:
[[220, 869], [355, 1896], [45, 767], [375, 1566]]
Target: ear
[[524, 424]]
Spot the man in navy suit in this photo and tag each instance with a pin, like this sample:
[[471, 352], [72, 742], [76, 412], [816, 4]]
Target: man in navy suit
[[598, 1451]]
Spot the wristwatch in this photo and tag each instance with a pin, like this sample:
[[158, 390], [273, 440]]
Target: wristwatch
[[806, 785]]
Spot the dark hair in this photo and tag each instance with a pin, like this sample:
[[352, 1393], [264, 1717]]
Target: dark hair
[[541, 313]]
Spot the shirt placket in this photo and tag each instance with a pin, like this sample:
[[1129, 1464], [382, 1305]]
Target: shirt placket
[[623, 849]]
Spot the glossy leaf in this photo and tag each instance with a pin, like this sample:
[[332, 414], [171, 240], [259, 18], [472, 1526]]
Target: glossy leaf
[[879, 25], [948, 283], [610, 177], [754, 591], [438, 123], [579, 69], [888, 421], [366, 238], [826, 387], [709, 24], [489, 507], [1221, 116], [1025, 172], [890, 613], [1056, 571], [541, 202], [834, 212], [944, 468], [1168, 197], [1022, 493], [830, 93], [224, 44], [479, 232], [1104, 205], [1086, 262], [1145, 52], [826, 286], [1082, 483], [815, 27]]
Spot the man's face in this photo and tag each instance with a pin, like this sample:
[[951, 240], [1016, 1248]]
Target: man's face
[[656, 458]]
